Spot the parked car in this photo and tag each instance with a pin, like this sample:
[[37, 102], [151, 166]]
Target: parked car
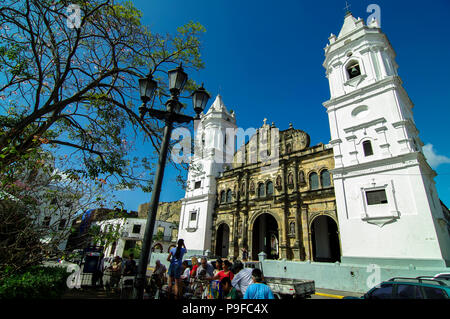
[[423, 287]]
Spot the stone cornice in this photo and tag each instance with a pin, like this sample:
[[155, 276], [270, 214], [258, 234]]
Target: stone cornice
[[388, 84], [382, 165]]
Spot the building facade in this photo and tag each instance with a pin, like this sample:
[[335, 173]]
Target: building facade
[[287, 211], [367, 197], [388, 207]]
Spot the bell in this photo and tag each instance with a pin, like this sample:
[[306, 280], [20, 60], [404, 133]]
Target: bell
[[354, 71]]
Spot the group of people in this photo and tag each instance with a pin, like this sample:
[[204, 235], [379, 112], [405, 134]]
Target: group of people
[[118, 268], [234, 280]]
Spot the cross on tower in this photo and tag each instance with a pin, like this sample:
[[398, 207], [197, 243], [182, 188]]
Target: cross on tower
[[347, 7]]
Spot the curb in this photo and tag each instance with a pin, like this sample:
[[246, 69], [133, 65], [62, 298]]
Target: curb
[[328, 295]]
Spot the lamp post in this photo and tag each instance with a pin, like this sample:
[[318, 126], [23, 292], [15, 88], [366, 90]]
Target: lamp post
[[147, 87]]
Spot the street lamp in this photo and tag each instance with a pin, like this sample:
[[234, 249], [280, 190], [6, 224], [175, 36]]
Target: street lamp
[[147, 87]]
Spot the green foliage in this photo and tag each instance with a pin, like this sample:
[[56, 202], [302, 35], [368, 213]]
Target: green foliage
[[159, 236], [136, 251], [75, 91], [35, 283]]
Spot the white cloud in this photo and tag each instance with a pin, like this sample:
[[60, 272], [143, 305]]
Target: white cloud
[[434, 159]]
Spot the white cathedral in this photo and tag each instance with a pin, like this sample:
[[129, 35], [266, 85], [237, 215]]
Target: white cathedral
[[387, 204]]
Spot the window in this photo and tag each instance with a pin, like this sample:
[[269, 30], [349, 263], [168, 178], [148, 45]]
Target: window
[[435, 293], [46, 221], [136, 229], [314, 181], [376, 197], [222, 197], [409, 292], [353, 69], [325, 178], [383, 292], [197, 185], [269, 187], [229, 196], [261, 190], [193, 215], [367, 147], [62, 224]]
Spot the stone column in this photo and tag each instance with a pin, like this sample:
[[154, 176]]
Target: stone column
[[306, 232]]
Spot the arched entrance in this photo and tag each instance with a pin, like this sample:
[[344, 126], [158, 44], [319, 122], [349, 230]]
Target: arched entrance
[[157, 247], [222, 240], [325, 240], [265, 237]]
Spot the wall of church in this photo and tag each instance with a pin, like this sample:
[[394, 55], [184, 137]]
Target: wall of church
[[288, 193]]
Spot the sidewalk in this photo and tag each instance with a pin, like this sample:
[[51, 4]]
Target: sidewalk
[[90, 293]]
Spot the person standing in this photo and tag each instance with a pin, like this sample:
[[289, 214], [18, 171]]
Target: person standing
[[205, 270], [159, 274], [242, 277], [186, 273], [194, 267], [116, 272], [130, 266], [244, 254], [258, 290], [219, 264], [98, 272], [176, 258], [225, 272]]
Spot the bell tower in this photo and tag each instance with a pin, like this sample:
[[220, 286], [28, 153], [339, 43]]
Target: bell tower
[[213, 149], [387, 204]]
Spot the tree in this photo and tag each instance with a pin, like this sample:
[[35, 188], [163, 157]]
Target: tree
[[73, 87], [37, 205]]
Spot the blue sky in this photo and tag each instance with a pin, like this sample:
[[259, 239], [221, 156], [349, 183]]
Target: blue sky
[[266, 59]]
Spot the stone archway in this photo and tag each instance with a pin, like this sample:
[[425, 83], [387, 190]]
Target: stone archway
[[325, 239], [265, 237], [222, 240], [157, 247]]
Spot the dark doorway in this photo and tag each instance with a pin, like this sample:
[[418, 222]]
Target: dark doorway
[[325, 240], [265, 237], [222, 240]]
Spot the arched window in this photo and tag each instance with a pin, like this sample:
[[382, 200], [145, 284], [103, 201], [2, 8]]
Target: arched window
[[313, 181], [269, 188], [222, 197], [229, 196], [261, 190], [353, 69], [325, 179], [367, 147]]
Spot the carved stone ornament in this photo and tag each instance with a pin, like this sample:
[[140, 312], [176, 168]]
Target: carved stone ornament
[[290, 180], [301, 177], [252, 188], [278, 184]]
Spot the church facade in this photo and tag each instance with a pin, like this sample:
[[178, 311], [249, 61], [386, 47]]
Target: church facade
[[287, 211], [367, 195]]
